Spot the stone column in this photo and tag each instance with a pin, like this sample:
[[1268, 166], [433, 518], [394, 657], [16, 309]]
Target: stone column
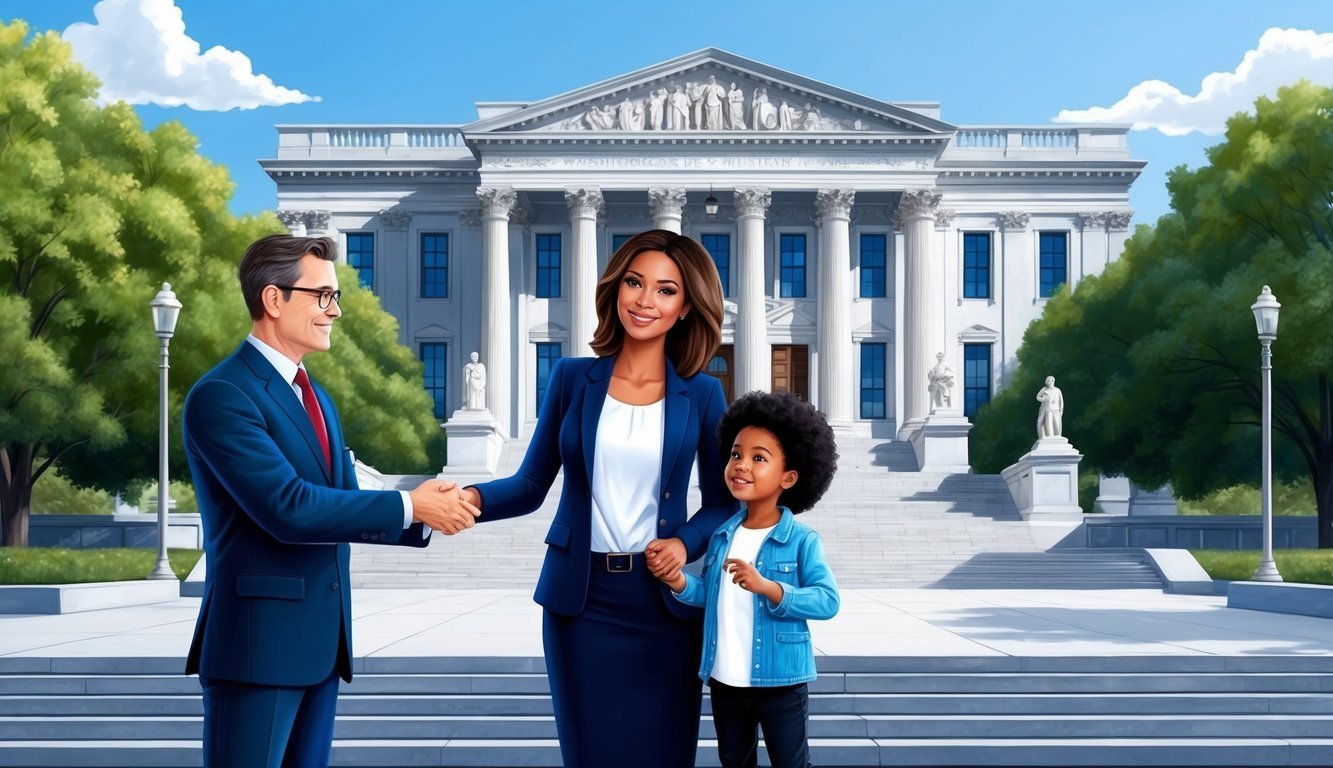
[[753, 356], [496, 205], [834, 207], [923, 313], [395, 289], [1016, 279], [667, 205], [584, 205]]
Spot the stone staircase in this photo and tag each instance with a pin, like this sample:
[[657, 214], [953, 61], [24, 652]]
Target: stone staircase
[[884, 525], [960, 711]]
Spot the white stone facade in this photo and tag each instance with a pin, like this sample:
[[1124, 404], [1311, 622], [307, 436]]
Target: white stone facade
[[789, 156]]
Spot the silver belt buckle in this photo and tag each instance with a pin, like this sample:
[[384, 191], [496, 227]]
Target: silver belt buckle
[[619, 562]]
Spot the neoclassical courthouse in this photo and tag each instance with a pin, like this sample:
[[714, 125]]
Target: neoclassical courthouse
[[855, 238]]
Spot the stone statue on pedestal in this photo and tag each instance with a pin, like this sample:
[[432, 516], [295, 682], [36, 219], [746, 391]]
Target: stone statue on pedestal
[[1050, 414], [474, 385], [940, 383]]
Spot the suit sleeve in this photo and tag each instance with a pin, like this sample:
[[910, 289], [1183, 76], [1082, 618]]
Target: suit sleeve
[[225, 430], [717, 503], [526, 489]]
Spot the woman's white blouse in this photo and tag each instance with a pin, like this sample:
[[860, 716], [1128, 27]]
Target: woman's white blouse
[[626, 476]]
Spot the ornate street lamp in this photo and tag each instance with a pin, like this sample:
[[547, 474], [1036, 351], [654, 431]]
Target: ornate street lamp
[[710, 204], [166, 308], [1265, 310]]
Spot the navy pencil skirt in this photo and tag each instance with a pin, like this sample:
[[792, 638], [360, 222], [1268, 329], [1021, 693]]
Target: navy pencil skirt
[[624, 675]]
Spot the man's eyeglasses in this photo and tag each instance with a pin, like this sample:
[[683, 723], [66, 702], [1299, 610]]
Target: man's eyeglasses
[[324, 296]]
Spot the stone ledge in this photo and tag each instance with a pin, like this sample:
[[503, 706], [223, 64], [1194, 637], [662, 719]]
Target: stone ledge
[[72, 598], [1280, 597]]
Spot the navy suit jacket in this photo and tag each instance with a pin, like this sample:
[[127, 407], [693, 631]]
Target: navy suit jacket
[[566, 435], [277, 601]]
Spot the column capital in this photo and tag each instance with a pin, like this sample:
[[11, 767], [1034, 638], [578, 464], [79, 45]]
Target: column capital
[[834, 203], [1119, 220], [1092, 219], [470, 217], [666, 200], [919, 204], [944, 216], [752, 201], [395, 218], [497, 202], [1015, 220], [294, 221], [584, 202]]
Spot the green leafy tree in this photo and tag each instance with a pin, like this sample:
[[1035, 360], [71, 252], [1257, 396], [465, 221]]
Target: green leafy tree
[[95, 212], [1158, 356]]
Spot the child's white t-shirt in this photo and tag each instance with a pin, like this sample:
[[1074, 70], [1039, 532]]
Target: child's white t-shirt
[[733, 663]]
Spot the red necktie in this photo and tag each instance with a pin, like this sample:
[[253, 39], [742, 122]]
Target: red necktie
[[316, 415]]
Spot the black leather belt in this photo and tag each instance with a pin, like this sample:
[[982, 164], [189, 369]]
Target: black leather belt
[[617, 562]]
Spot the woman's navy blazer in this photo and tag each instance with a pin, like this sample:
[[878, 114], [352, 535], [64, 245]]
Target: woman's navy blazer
[[566, 436]]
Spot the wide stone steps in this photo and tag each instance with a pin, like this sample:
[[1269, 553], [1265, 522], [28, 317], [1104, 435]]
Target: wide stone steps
[[963, 711], [1064, 569]]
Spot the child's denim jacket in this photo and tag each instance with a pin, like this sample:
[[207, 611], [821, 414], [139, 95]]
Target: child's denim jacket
[[793, 556]]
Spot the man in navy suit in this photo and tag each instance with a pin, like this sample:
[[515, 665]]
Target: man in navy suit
[[279, 500]]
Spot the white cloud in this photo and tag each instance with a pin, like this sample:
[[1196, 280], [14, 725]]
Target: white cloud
[[1283, 57], [140, 52]]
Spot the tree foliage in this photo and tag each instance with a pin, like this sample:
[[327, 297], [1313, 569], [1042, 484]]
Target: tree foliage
[[95, 213], [1158, 356]]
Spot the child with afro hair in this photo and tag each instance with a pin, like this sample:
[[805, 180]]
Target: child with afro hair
[[764, 576]]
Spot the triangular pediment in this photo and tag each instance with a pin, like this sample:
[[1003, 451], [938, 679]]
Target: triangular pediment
[[709, 92], [979, 334]]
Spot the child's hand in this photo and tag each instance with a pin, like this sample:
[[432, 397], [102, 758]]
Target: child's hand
[[674, 579], [665, 556], [747, 578]]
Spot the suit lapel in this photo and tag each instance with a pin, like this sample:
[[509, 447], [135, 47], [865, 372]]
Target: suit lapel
[[676, 416], [594, 397], [285, 398]]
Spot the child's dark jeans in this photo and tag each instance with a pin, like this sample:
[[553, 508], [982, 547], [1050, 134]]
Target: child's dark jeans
[[782, 711]]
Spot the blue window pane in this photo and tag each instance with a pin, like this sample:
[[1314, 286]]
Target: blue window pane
[[547, 353], [874, 282], [548, 266], [617, 241], [976, 265], [976, 377], [434, 266], [1054, 266], [361, 257], [719, 247], [433, 357], [874, 402], [791, 267]]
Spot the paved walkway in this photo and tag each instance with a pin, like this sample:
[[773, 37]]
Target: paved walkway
[[873, 622]]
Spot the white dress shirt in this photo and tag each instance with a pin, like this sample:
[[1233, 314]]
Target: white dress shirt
[[626, 475]]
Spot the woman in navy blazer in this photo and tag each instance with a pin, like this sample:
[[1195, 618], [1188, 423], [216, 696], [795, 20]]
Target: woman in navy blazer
[[621, 654]]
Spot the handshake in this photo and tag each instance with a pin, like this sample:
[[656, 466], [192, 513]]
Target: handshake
[[445, 507]]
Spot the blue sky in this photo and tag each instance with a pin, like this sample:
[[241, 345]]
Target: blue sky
[[424, 61]]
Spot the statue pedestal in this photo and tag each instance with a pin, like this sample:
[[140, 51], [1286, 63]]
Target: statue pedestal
[[1044, 483], [474, 442], [940, 442], [1159, 502], [1113, 495]]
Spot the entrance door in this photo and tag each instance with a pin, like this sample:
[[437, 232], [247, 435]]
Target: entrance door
[[791, 369], [720, 368]]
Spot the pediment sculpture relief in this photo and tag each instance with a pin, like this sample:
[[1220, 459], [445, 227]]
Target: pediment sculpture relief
[[707, 105]]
